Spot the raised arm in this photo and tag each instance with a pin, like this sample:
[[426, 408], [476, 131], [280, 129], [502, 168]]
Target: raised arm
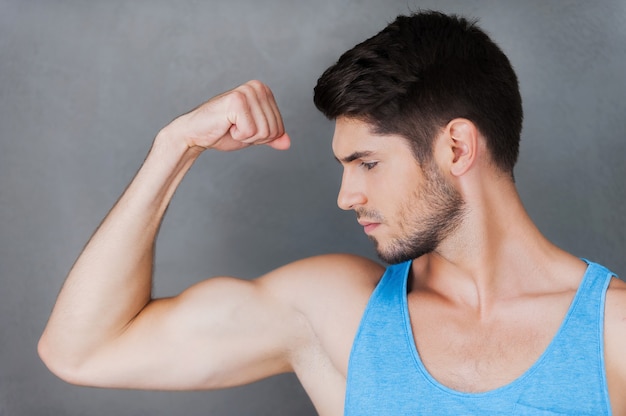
[[105, 328]]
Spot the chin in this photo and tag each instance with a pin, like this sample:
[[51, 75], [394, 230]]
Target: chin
[[401, 251]]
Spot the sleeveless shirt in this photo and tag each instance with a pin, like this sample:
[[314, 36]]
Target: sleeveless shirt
[[387, 377]]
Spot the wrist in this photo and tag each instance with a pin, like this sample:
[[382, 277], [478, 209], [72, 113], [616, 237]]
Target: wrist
[[171, 145], [165, 166]]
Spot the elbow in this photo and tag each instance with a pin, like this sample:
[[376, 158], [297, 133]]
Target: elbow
[[57, 362], [51, 358]]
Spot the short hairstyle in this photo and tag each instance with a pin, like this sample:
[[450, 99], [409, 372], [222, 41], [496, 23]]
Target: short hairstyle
[[422, 71]]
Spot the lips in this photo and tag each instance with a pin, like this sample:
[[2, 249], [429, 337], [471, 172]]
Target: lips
[[368, 227]]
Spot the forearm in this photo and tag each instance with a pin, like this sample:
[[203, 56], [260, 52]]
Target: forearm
[[111, 280]]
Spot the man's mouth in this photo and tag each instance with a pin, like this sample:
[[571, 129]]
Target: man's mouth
[[368, 227]]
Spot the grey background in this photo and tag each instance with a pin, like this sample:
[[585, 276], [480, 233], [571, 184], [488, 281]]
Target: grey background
[[85, 86]]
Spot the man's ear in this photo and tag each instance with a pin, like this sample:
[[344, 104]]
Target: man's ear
[[461, 141]]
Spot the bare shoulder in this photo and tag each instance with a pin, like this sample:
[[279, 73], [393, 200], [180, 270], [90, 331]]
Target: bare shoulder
[[304, 287], [316, 285], [307, 288], [319, 274], [615, 310], [330, 292], [615, 343]]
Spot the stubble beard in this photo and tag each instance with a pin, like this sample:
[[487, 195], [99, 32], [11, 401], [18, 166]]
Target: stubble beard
[[444, 210]]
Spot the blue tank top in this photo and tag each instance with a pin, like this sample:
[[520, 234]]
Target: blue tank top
[[387, 377]]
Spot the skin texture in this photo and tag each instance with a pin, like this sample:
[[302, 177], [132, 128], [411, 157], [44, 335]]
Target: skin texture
[[467, 294]]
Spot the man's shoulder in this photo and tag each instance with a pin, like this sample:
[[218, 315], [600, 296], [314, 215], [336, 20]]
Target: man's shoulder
[[323, 287], [329, 294], [327, 272], [343, 265], [615, 343], [615, 309]]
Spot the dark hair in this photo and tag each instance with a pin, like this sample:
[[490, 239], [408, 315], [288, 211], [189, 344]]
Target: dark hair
[[419, 73]]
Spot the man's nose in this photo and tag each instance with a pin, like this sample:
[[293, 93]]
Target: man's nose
[[350, 194]]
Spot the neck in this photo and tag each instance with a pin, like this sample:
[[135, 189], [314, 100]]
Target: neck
[[494, 253]]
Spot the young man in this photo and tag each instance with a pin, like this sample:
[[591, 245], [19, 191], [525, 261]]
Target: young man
[[479, 313]]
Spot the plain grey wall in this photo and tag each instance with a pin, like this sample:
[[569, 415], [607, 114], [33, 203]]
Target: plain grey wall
[[85, 86]]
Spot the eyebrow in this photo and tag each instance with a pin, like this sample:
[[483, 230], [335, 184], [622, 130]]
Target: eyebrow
[[354, 156]]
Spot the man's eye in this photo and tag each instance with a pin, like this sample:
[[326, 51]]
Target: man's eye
[[369, 165]]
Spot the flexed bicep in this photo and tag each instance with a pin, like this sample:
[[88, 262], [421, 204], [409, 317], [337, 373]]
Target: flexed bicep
[[218, 333]]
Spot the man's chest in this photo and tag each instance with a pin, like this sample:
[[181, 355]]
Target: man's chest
[[472, 353]]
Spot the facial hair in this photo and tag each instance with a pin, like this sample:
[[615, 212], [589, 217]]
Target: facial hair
[[439, 213]]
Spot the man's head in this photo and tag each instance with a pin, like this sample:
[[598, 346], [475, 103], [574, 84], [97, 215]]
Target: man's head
[[424, 77], [419, 73]]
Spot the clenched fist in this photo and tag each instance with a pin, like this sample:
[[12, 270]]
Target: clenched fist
[[244, 116]]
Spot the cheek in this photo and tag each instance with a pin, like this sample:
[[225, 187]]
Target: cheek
[[395, 193], [407, 211]]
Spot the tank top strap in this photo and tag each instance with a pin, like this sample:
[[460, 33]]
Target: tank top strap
[[585, 316], [594, 284]]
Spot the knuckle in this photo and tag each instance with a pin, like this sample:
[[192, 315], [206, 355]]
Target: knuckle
[[238, 98], [256, 84], [261, 90], [263, 132], [247, 88]]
